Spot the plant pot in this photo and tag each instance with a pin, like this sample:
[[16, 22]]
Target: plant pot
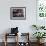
[[40, 41]]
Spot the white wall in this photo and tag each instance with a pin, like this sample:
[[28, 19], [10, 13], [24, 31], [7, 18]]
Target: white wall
[[24, 25]]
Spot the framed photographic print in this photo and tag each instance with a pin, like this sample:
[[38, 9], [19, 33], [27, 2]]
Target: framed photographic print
[[41, 12], [18, 13]]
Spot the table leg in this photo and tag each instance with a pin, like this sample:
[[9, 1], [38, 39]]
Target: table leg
[[5, 40]]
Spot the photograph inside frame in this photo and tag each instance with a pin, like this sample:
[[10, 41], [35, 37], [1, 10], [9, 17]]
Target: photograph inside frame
[[18, 13]]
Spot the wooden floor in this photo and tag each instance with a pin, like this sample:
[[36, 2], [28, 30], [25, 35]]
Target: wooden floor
[[13, 44]]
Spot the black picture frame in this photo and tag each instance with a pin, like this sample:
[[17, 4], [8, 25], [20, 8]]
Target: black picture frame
[[18, 13]]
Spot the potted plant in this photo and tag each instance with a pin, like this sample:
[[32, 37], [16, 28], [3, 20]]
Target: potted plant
[[39, 35]]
